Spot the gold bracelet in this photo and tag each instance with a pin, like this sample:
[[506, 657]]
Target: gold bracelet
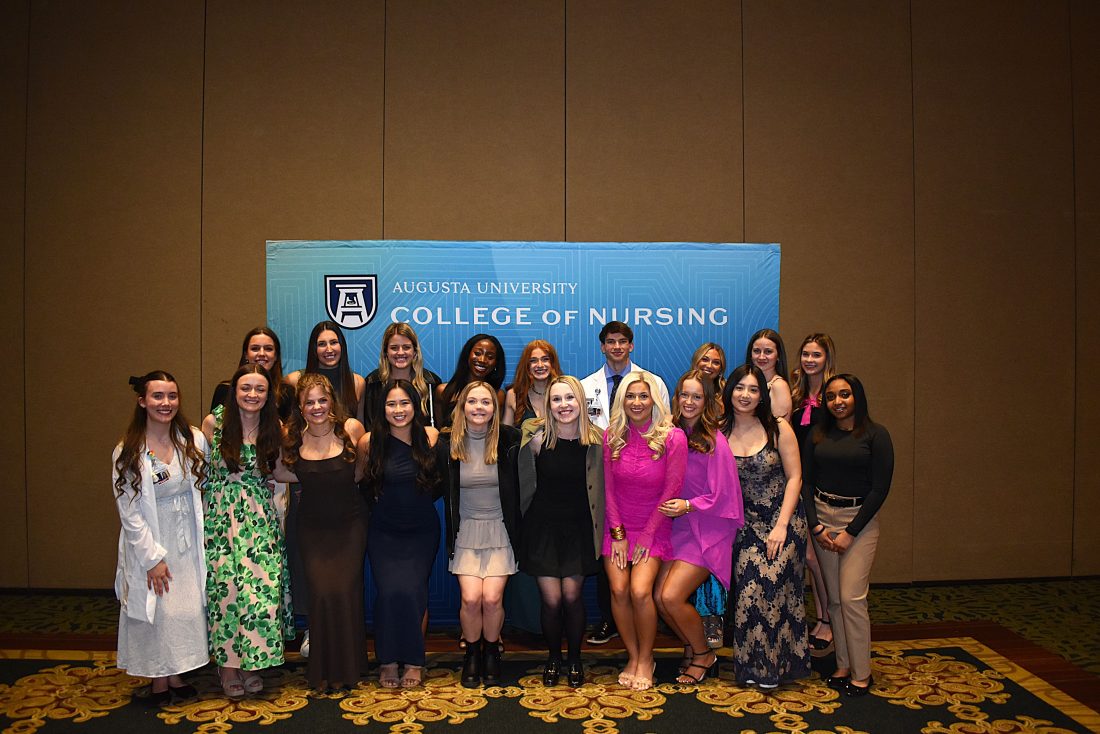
[[618, 533]]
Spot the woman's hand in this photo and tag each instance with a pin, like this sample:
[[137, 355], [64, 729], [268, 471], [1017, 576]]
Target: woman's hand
[[158, 577], [842, 542], [674, 507], [641, 554], [776, 538], [618, 553]]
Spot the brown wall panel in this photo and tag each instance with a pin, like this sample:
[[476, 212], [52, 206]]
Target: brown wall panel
[[828, 174], [653, 121], [474, 122], [994, 198], [1085, 23], [13, 148], [112, 242], [292, 149]]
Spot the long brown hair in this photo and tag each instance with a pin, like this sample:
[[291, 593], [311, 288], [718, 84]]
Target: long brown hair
[[269, 435], [800, 383], [524, 381], [292, 441], [129, 462], [701, 437], [276, 371]]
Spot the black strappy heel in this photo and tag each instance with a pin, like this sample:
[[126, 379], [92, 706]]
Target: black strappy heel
[[707, 669]]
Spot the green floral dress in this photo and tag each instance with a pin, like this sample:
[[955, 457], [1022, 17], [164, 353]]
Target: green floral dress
[[247, 582]]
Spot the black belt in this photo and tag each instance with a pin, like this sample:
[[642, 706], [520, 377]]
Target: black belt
[[836, 500]]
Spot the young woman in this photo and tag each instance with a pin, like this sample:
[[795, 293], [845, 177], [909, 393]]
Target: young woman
[[710, 360], [817, 364], [400, 359], [645, 458], [402, 482], [561, 495], [848, 469], [247, 589], [706, 516], [710, 598], [480, 360], [261, 346], [158, 467], [525, 397], [319, 452], [477, 460], [765, 350], [770, 634], [327, 355]]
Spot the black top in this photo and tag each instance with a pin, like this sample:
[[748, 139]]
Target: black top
[[817, 415], [507, 477], [372, 396], [849, 466], [284, 403]]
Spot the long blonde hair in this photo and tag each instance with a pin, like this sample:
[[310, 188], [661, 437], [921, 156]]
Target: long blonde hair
[[619, 428], [400, 328], [458, 425], [589, 434]]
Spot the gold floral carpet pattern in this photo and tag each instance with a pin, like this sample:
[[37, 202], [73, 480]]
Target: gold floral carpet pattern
[[934, 686], [1062, 616]]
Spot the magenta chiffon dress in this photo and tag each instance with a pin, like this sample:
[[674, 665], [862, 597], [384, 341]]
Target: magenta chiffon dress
[[704, 536], [634, 487]]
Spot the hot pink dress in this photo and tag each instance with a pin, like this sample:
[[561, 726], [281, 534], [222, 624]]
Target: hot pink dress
[[634, 487], [704, 536]]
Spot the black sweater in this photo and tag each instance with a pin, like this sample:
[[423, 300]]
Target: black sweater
[[849, 466]]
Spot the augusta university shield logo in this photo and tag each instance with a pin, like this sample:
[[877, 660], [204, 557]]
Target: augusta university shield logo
[[351, 300]]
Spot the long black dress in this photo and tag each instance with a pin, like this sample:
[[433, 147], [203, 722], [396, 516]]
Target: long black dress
[[332, 535], [401, 545]]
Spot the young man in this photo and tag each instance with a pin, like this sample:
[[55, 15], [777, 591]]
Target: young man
[[616, 343]]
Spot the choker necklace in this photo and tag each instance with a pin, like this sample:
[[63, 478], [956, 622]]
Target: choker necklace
[[331, 428]]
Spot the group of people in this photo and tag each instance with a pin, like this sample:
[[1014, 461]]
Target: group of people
[[718, 493]]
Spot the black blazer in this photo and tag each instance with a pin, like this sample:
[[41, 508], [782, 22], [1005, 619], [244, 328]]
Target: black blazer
[[507, 477]]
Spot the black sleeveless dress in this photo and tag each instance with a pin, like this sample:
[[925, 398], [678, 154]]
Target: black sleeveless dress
[[402, 545], [332, 535]]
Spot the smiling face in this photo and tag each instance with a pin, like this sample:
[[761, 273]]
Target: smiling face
[[482, 359], [841, 403], [399, 408], [316, 406], [538, 365], [251, 393], [766, 356], [161, 401], [690, 400], [400, 353], [564, 405], [813, 358], [328, 348], [479, 408], [746, 395], [638, 404], [261, 351], [710, 364], [616, 349]]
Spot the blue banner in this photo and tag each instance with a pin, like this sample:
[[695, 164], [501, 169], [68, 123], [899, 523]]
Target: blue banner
[[675, 295]]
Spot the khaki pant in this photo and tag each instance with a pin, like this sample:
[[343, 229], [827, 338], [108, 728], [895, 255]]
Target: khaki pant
[[847, 579]]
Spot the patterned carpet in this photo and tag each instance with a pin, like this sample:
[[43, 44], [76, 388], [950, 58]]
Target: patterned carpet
[[944, 685], [1062, 616]]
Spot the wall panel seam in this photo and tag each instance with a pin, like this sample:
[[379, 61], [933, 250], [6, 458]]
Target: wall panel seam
[[23, 316]]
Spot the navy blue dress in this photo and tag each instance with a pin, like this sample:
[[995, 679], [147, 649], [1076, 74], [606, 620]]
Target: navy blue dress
[[402, 541]]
